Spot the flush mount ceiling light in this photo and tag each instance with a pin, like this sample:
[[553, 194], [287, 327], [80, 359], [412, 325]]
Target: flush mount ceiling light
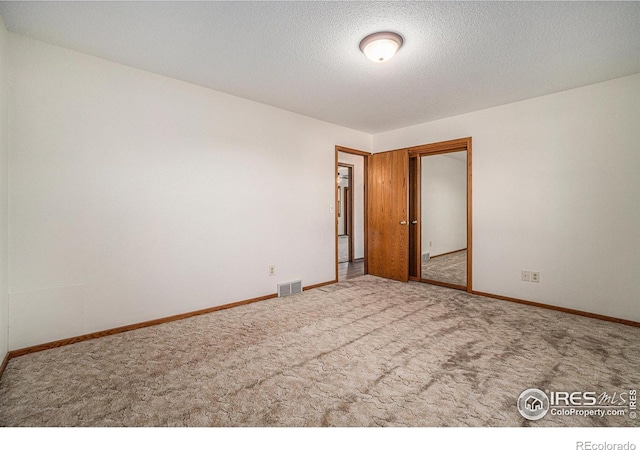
[[379, 47]]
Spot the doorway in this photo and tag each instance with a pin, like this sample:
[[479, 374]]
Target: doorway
[[346, 236], [419, 214], [350, 211]]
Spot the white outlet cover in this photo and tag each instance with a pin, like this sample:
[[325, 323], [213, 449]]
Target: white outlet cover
[[525, 275], [535, 277]]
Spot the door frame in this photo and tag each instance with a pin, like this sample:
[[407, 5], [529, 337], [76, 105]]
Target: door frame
[[365, 158], [437, 148]]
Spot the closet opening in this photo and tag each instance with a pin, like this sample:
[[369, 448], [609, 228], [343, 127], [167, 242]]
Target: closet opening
[[440, 234]]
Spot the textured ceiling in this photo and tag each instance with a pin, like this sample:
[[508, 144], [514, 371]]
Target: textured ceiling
[[304, 56]]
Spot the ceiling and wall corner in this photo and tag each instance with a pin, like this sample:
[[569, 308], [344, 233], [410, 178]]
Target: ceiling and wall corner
[[303, 57]]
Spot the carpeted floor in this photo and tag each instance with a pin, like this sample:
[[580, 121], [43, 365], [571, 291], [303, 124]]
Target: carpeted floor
[[450, 268], [364, 352]]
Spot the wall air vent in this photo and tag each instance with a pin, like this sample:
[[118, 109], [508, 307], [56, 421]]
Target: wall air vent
[[290, 288]]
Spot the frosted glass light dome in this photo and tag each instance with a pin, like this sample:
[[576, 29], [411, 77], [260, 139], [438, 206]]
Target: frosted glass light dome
[[380, 47]]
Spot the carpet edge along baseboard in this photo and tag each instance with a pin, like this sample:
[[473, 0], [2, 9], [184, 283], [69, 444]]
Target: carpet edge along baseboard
[[576, 312], [135, 326]]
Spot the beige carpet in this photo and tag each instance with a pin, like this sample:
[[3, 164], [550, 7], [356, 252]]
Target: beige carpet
[[450, 268], [364, 352]]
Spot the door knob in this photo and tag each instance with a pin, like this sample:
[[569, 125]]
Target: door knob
[[413, 222], [404, 222]]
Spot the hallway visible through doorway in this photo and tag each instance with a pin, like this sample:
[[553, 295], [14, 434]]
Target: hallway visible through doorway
[[351, 180], [343, 248], [349, 270]]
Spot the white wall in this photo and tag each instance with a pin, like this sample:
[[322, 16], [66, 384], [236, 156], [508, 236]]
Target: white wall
[[555, 190], [358, 200], [134, 196], [4, 175], [443, 187]]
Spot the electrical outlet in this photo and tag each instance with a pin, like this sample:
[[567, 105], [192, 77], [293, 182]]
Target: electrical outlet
[[272, 270], [525, 275], [535, 277]]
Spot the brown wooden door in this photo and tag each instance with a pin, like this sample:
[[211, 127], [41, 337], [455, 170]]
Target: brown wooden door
[[388, 229]]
